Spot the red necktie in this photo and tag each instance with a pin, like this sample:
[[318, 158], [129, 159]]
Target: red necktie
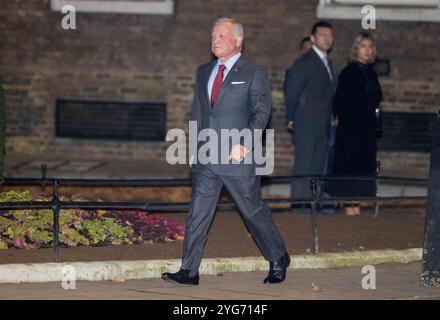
[[217, 84]]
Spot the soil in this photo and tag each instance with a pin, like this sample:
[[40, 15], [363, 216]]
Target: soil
[[395, 228]]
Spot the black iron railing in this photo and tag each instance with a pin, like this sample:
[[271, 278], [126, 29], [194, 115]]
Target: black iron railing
[[56, 205]]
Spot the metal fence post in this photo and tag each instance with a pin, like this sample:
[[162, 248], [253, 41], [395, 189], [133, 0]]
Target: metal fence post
[[56, 219], [43, 177], [431, 247], [314, 216]]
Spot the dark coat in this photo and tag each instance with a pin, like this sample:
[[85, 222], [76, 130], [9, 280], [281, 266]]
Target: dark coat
[[356, 99], [309, 94]]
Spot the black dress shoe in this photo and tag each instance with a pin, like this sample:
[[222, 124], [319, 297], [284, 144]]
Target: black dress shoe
[[181, 277], [277, 271]]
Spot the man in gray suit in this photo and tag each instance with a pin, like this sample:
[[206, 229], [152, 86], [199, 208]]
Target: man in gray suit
[[230, 93], [309, 88]]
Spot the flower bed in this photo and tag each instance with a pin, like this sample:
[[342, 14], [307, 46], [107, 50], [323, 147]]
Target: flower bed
[[33, 228]]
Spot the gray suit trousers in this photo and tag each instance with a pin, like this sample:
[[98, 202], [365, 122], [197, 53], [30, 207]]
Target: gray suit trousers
[[245, 190], [311, 153]]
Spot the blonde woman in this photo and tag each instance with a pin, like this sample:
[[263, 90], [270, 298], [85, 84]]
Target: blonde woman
[[357, 96]]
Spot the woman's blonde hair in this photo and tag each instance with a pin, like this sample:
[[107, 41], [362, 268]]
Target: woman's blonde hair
[[353, 56]]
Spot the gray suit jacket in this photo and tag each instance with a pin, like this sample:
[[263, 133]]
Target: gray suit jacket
[[244, 101], [309, 93]]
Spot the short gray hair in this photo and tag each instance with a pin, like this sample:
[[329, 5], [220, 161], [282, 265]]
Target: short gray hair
[[237, 27], [353, 55]]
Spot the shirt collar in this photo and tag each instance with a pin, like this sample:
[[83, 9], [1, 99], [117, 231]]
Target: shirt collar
[[321, 54], [230, 63]]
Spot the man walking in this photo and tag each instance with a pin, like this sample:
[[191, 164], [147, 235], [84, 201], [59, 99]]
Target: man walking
[[231, 93]]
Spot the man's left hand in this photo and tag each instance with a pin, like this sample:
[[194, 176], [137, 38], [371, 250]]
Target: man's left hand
[[238, 152]]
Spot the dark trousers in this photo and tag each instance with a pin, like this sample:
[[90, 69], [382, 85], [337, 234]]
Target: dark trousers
[[311, 152], [256, 214]]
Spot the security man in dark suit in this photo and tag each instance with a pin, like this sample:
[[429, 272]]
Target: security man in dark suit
[[309, 88]]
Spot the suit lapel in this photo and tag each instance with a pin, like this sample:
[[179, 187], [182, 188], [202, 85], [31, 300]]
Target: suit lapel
[[334, 75], [320, 63], [203, 83], [233, 73]]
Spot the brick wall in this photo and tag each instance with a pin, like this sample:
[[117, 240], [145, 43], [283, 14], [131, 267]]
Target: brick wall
[[153, 58]]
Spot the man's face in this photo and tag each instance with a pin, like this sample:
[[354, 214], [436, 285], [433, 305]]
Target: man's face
[[224, 44], [323, 39]]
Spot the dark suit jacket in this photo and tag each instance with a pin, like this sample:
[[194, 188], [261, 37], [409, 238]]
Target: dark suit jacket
[[309, 93], [245, 104]]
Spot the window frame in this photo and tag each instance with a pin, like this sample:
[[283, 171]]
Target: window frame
[[160, 7], [394, 10]]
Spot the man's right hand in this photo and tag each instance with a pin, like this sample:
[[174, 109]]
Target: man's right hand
[[290, 126]]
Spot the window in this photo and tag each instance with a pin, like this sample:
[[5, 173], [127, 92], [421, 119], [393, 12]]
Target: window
[[113, 6], [110, 120], [399, 10]]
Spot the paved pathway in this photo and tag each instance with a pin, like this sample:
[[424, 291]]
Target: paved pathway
[[393, 281]]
